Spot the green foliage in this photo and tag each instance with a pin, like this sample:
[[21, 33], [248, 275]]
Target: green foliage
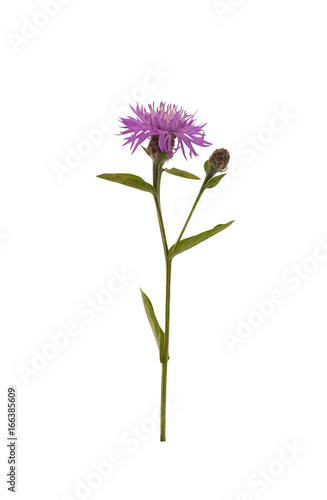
[[157, 331], [130, 180], [181, 173], [188, 243], [213, 182]]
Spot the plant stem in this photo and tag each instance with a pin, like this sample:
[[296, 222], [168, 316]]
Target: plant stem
[[191, 212], [166, 355], [161, 225], [157, 172]]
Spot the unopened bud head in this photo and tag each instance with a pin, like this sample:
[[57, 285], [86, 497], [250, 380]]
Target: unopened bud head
[[154, 150], [218, 161]]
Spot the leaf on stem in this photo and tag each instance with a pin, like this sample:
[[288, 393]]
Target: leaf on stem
[[181, 173], [157, 331], [188, 243], [214, 181], [130, 180]]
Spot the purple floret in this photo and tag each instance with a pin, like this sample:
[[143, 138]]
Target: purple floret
[[163, 121]]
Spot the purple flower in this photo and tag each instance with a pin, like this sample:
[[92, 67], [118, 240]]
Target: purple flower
[[165, 121]]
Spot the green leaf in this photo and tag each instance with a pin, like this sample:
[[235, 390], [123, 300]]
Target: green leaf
[[157, 331], [195, 240], [130, 180], [206, 166], [214, 181], [181, 173]]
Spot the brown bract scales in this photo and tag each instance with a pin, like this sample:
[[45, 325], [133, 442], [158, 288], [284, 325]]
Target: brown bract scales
[[219, 159]]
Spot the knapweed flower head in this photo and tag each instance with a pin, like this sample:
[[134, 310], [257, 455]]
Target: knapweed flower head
[[167, 122], [154, 150]]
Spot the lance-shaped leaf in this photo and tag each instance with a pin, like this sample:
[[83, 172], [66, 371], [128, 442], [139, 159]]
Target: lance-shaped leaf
[[188, 243], [206, 166], [181, 173], [157, 331], [130, 180], [214, 181]]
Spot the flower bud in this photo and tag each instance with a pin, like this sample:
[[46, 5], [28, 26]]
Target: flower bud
[[218, 161], [154, 150]]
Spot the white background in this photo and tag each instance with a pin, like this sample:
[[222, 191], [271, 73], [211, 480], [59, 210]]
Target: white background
[[62, 240]]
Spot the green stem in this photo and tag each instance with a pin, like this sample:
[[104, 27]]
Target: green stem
[[191, 212], [166, 355], [157, 172], [161, 225]]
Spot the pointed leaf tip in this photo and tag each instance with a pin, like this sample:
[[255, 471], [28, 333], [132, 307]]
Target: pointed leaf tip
[[181, 173], [214, 181], [130, 180], [188, 243], [157, 331]]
